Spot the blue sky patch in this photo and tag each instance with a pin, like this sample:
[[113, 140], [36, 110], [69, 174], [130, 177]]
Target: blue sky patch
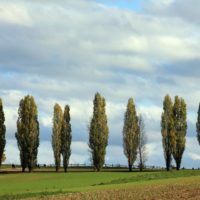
[[125, 4]]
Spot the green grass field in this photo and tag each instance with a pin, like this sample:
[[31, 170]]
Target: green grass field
[[69, 185]]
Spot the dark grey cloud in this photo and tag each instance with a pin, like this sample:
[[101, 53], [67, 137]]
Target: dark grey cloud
[[184, 68], [175, 9]]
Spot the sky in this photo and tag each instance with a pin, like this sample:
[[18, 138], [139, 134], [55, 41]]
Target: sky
[[65, 51]]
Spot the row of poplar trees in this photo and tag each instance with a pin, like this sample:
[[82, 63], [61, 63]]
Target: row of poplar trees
[[173, 129], [27, 135]]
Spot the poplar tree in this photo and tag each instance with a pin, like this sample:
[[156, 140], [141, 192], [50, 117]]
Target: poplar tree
[[2, 132], [56, 134], [142, 144], [180, 128], [66, 137], [98, 132], [198, 125], [27, 134], [167, 131], [130, 133]]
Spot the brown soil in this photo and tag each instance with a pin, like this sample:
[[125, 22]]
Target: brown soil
[[171, 191]]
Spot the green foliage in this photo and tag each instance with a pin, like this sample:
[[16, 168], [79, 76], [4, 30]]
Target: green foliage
[[2, 132], [167, 130], [130, 133], [98, 132], [198, 125], [56, 134], [27, 134], [180, 128], [66, 137]]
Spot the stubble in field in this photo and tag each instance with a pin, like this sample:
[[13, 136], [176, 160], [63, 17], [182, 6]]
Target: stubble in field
[[187, 190]]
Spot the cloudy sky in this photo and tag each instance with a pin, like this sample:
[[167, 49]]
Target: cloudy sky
[[64, 51]]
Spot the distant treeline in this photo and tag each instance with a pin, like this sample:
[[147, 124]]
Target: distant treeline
[[173, 130]]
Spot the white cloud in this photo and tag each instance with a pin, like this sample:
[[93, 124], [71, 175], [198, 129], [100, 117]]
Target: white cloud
[[14, 14], [10, 120], [10, 105], [115, 110], [174, 47], [12, 152], [115, 155], [81, 110], [45, 153], [194, 156], [193, 147], [151, 112], [155, 154], [46, 121]]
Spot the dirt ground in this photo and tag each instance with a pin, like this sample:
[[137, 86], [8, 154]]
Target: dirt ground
[[173, 191]]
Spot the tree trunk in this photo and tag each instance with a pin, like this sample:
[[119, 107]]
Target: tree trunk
[[23, 169], [168, 161], [57, 168], [1, 159], [168, 168], [30, 169], [178, 165], [130, 168], [168, 165]]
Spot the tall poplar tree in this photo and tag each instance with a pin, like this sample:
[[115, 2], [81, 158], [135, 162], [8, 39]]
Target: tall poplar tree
[[98, 132], [66, 137], [167, 131], [130, 133], [198, 125], [180, 128], [2, 132], [56, 134], [142, 144], [27, 134]]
